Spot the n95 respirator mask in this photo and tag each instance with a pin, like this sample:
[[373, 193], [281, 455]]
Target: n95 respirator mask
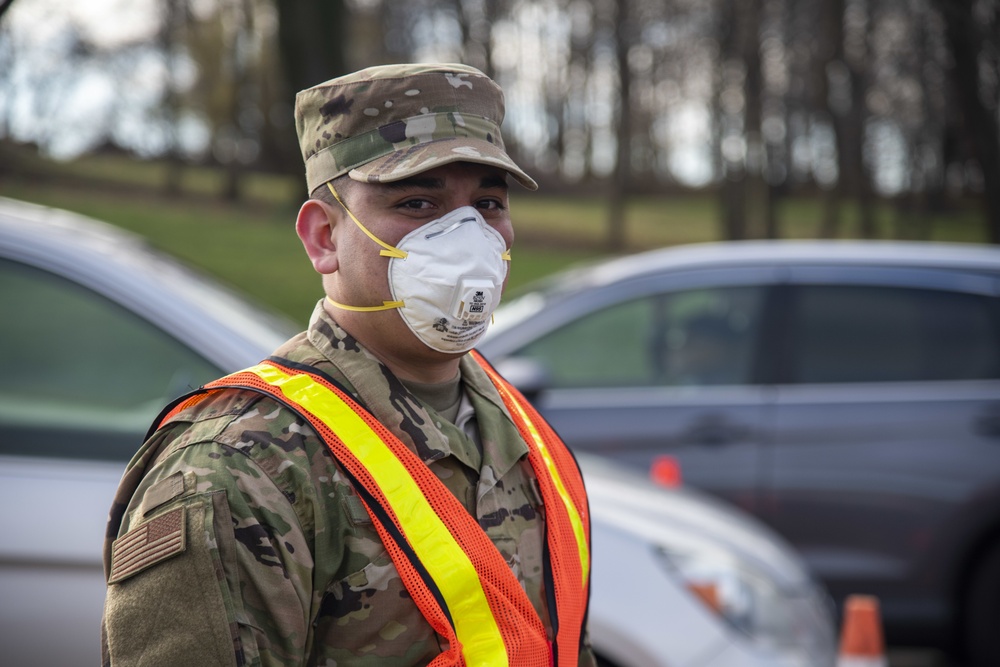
[[445, 277]]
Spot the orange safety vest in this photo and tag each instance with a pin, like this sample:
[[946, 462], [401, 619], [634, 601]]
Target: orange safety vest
[[454, 573]]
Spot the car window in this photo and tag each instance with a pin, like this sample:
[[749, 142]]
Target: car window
[[81, 376], [685, 338], [857, 333]]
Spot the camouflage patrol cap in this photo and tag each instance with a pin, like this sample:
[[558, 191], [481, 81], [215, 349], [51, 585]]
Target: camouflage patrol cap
[[390, 122]]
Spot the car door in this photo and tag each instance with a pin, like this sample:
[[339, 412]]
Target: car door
[[664, 365], [886, 436], [81, 378]]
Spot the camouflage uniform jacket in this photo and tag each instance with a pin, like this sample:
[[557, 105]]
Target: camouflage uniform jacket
[[242, 543]]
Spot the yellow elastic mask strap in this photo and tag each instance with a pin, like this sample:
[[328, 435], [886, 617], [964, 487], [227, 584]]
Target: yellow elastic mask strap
[[386, 305], [505, 256], [388, 250]]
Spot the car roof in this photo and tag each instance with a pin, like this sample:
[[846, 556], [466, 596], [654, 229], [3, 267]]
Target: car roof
[[26, 220], [732, 254], [123, 266]]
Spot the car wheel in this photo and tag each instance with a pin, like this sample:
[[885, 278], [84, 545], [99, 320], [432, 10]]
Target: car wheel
[[983, 612]]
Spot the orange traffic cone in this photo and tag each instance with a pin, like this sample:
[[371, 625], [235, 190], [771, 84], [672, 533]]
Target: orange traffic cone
[[861, 642]]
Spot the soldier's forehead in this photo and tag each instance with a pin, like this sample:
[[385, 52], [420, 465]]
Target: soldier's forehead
[[487, 176]]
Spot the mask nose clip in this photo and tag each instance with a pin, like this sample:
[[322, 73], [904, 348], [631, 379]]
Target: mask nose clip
[[451, 228]]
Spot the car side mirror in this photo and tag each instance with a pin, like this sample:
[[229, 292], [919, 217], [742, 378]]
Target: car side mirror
[[530, 376]]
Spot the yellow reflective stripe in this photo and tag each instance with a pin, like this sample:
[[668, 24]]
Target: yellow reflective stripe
[[574, 515], [446, 561]]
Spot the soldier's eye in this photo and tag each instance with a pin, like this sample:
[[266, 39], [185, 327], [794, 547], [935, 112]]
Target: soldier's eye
[[490, 204], [416, 204]]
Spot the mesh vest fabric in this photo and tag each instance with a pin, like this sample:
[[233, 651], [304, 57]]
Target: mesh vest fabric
[[511, 631]]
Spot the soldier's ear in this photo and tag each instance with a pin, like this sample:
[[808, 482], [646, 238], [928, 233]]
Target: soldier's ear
[[315, 225]]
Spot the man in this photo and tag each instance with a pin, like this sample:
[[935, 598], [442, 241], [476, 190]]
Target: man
[[373, 494]]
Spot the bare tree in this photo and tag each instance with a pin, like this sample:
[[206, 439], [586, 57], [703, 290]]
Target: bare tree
[[170, 44], [312, 35], [856, 172], [973, 44], [8, 53], [776, 110], [475, 18], [575, 147], [739, 106], [836, 104], [618, 196], [799, 92]]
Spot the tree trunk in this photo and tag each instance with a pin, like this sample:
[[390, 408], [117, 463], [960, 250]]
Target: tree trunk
[[623, 163], [733, 202], [753, 94], [312, 39], [861, 181], [173, 13], [966, 42]]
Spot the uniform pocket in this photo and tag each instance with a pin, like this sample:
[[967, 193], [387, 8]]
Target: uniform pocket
[[370, 614]]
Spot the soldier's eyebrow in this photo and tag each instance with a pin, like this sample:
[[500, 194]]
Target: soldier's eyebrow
[[427, 182], [494, 181], [431, 183]]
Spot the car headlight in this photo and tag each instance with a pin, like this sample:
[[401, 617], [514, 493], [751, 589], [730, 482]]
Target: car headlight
[[752, 602]]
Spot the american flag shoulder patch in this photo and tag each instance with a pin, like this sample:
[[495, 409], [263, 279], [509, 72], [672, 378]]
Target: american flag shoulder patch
[[147, 544]]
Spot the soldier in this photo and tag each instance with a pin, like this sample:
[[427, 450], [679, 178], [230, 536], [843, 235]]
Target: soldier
[[374, 493]]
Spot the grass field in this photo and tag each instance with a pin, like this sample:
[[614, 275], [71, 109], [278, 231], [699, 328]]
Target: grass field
[[252, 245]]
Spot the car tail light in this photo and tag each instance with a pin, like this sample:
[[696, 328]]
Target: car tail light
[[666, 471]]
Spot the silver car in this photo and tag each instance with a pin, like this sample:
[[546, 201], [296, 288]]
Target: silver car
[[98, 332], [846, 393]]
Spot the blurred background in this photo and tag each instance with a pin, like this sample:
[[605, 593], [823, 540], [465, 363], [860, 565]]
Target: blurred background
[[647, 122], [676, 120]]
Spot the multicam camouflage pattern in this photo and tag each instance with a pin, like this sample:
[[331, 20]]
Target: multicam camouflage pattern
[[390, 122], [282, 565]]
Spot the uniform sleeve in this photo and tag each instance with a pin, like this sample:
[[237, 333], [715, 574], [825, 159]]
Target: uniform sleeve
[[211, 567]]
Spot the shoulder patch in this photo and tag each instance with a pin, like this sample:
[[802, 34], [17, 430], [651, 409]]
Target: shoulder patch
[[162, 492], [147, 544]]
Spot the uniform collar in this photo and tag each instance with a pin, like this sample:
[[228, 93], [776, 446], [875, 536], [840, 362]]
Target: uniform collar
[[502, 445], [378, 390]]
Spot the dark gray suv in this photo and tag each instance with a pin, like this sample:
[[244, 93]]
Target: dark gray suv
[[846, 393]]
